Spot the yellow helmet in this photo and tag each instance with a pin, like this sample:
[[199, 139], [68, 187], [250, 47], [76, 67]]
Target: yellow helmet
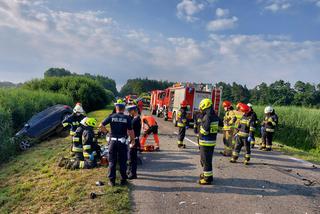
[[91, 122], [120, 102], [205, 103]]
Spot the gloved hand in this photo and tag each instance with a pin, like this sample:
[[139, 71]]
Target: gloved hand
[[91, 157], [250, 139]]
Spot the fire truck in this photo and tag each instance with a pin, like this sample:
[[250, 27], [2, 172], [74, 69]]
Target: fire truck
[[156, 101], [193, 94], [131, 97]]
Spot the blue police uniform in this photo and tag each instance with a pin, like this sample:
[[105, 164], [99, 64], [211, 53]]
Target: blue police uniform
[[118, 148]]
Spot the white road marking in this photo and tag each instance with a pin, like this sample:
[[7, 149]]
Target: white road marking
[[191, 141]]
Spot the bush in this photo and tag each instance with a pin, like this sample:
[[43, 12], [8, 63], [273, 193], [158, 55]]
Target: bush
[[82, 89], [16, 107], [298, 127]]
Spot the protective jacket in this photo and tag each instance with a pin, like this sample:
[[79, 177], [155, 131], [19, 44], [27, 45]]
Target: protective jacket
[[209, 128], [73, 121]]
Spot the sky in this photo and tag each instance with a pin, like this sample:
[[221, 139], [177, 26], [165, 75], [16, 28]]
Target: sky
[[243, 41]]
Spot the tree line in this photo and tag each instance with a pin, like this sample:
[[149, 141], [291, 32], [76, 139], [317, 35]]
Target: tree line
[[279, 93]]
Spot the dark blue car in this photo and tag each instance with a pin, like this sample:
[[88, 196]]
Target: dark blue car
[[42, 125]]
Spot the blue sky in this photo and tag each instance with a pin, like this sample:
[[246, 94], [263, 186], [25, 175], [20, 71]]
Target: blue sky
[[247, 41]]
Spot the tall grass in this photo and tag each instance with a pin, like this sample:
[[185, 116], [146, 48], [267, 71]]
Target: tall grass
[[298, 127], [16, 107]]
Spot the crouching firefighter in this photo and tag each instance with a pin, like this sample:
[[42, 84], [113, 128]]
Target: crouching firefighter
[[228, 128], [74, 120], [209, 126], [268, 127], [182, 124], [149, 125], [84, 147], [121, 127], [245, 130]]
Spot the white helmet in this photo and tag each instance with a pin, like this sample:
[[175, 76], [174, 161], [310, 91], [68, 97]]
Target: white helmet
[[78, 109], [250, 105], [83, 121], [268, 109]]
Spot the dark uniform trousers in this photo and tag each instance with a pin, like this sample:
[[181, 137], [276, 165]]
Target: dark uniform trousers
[[206, 155], [240, 142], [267, 138], [182, 133], [118, 151], [133, 157]]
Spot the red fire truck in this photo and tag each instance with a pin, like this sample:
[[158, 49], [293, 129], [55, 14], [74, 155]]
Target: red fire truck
[[193, 94], [156, 101]]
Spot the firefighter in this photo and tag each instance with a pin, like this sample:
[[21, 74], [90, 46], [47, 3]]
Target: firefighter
[[268, 127], [182, 123], [196, 124], [133, 151], [254, 116], [228, 127], [140, 106], [239, 115], [121, 127], [74, 120], [149, 125], [209, 126], [245, 128], [85, 147]]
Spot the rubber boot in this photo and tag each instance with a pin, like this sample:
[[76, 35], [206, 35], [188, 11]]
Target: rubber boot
[[246, 159], [234, 159], [206, 180], [262, 147], [62, 162]]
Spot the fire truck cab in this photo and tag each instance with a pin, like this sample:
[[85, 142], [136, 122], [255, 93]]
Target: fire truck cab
[[156, 101], [193, 94]]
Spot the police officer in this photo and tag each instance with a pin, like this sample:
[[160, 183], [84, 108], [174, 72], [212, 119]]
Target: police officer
[[209, 126], [245, 129], [133, 151], [121, 127], [182, 123], [74, 120]]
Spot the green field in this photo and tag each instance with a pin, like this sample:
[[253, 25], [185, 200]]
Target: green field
[[33, 183]]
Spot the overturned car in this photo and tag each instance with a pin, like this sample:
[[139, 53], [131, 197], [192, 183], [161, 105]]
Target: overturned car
[[42, 125]]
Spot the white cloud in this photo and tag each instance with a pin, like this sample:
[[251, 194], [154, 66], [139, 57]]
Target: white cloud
[[318, 3], [275, 7], [222, 12], [35, 37], [222, 24], [186, 10]]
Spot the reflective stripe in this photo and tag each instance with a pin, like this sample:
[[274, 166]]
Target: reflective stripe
[[269, 130], [179, 142], [75, 123], [203, 131], [87, 147], [246, 122], [208, 174], [181, 125], [247, 156], [76, 139], [235, 154], [252, 129], [227, 128], [268, 146], [253, 142], [81, 164], [243, 134], [65, 124], [86, 154], [214, 127], [72, 133], [76, 149], [207, 143]]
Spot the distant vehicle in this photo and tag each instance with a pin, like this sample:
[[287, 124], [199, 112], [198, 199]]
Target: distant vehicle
[[42, 125], [169, 101], [145, 100], [156, 101], [131, 97]]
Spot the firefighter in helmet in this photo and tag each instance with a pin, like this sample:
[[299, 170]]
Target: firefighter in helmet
[[209, 126], [268, 128], [245, 128], [254, 116], [182, 123], [74, 120], [228, 127]]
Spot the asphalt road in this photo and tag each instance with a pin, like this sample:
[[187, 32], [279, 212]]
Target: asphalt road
[[272, 183]]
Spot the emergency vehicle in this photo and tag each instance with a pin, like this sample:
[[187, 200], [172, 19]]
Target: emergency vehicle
[[193, 94], [156, 101]]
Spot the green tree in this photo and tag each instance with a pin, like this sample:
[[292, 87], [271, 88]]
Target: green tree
[[57, 72]]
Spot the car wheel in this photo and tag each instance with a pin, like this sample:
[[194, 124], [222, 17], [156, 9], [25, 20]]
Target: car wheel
[[24, 145]]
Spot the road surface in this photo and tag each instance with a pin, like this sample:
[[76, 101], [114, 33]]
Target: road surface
[[273, 183]]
